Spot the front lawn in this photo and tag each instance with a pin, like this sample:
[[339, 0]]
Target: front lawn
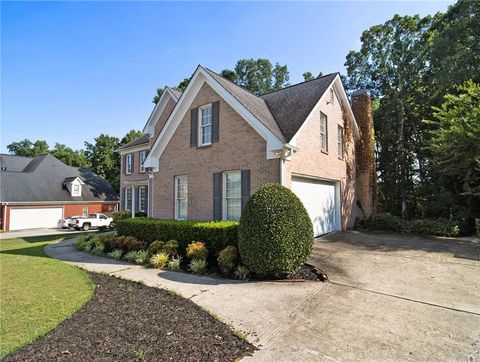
[[36, 292]]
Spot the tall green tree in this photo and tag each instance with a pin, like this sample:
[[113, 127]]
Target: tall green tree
[[28, 148], [130, 136], [157, 96], [309, 76], [391, 64], [75, 158], [103, 158], [455, 151]]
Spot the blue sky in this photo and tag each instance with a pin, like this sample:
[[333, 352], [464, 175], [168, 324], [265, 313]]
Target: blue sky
[[72, 70]]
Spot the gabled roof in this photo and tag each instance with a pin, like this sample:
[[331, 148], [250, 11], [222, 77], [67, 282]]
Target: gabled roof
[[291, 105], [13, 163], [135, 142], [42, 180], [254, 104], [168, 92]]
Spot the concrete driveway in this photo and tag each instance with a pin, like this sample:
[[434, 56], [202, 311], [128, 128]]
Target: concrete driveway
[[390, 297], [38, 232]]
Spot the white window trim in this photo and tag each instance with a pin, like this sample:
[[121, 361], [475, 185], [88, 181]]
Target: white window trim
[[177, 179], [201, 127], [128, 161], [324, 149], [224, 192], [140, 188], [142, 167], [83, 211], [332, 95], [126, 206]]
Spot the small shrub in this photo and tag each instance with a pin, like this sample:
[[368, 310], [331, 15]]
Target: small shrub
[[159, 260], [439, 227], [197, 250], [140, 214], [384, 222], [121, 215], [82, 241], [131, 255], [142, 257], [174, 263], [98, 250], [227, 259], [242, 272], [130, 243], [156, 247], [198, 266], [116, 254], [276, 233], [171, 247]]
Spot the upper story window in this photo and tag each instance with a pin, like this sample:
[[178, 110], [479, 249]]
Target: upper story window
[[205, 125], [181, 197], [232, 200], [128, 166], [143, 155], [323, 132], [340, 141]]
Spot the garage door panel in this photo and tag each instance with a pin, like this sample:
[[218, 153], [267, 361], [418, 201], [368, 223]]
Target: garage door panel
[[319, 199], [32, 218]]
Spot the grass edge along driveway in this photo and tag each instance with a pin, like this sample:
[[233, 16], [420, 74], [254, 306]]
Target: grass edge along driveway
[[36, 292]]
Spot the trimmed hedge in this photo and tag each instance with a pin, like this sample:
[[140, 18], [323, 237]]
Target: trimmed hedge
[[437, 227], [215, 234], [276, 233]]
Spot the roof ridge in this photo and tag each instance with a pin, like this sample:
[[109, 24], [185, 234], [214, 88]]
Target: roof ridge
[[297, 84], [228, 80]]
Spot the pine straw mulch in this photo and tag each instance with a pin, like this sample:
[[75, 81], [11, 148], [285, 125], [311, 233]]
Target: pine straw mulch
[[127, 321]]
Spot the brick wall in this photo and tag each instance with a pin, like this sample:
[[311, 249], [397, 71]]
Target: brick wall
[[240, 147]]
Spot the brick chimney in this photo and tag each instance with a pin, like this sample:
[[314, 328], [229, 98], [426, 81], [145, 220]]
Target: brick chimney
[[364, 153]]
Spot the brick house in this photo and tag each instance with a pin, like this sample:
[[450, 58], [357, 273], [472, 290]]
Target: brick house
[[206, 150], [39, 192]]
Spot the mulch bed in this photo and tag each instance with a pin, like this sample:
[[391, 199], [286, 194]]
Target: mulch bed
[[308, 272], [125, 320]]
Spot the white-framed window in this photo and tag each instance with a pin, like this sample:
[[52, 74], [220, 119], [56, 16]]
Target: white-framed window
[[143, 155], [85, 212], [323, 132], [332, 95], [128, 161], [128, 198], [142, 198], [340, 141], [205, 125], [232, 195], [181, 197]]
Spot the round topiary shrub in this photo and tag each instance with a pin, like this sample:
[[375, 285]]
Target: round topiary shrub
[[275, 233]]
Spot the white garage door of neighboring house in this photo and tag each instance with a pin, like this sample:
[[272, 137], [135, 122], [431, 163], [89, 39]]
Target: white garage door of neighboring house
[[35, 218], [321, 201]]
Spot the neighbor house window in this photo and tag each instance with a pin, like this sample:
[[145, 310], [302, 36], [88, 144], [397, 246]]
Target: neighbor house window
[[143, 155], [142, 198], [128, 160], [323, 132], [85, 211], [232, 199], [181, 197], [128, 198], [340, 141], [205, 125]]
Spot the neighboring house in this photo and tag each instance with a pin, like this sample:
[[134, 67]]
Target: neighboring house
[[205, 151], [39, 192]]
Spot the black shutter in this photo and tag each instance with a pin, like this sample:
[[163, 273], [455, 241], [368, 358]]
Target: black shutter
[[146, 200], [194, 128], [215, 122], [133, 162], [245, 187], [122, 200], [124, 161], [137, 194], [217, 196]]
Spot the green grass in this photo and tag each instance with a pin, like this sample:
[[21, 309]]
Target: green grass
[[36, 292]]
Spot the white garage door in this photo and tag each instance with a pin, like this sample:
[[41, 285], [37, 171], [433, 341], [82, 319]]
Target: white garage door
[[319, 198], [35, 218]]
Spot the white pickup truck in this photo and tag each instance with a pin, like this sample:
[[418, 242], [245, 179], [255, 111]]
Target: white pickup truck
[[91, 221]]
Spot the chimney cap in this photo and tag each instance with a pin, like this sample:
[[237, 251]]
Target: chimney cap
[[360, 92]]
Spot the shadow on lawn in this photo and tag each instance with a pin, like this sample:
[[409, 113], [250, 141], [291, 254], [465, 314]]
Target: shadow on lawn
[[30, 251]]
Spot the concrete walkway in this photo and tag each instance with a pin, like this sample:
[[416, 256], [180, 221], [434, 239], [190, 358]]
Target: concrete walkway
[[259, 309], [390, 298]]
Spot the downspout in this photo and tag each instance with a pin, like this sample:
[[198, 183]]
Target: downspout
[[4, 217], [133, 202]]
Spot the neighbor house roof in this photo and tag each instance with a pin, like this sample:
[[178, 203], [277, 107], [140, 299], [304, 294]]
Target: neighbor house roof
[[135, 142], [42, 179]]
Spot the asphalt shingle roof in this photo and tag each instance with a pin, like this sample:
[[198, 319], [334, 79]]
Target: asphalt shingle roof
[[291, 105], [42, 179], [135, 142]]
